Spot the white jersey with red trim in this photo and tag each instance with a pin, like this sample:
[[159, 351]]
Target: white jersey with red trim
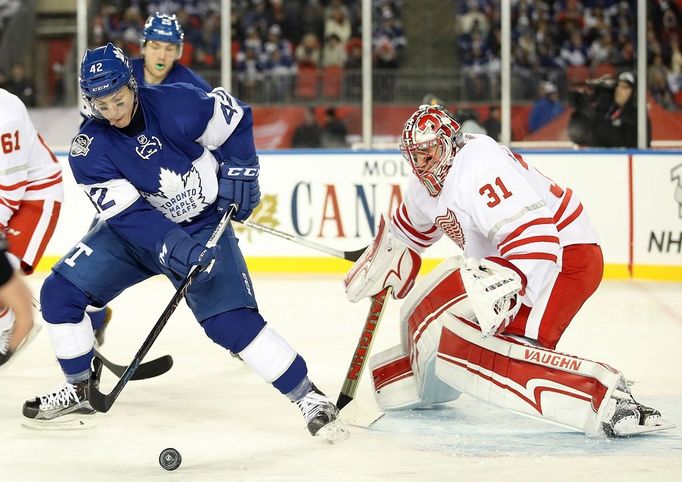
[[28, 169], [493, 203]]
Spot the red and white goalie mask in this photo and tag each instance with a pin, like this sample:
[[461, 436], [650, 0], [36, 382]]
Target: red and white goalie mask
[[428, 145]]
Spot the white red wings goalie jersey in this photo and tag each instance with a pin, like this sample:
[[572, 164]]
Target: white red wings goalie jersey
[[28, 169], [494, 203]]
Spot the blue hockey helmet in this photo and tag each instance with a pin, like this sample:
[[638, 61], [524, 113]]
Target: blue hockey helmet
[[163, 28], [105, 70]]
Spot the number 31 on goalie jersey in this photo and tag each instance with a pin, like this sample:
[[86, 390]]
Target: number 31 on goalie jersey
[[504, 193]]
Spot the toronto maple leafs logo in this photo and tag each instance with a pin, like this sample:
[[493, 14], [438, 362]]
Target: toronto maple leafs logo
[[80, 145], [449, 224], [180, 197], [148, 147]]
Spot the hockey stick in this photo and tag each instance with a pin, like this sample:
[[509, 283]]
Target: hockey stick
[[103, 402], [360, 356], [348, 255], [151, 369]]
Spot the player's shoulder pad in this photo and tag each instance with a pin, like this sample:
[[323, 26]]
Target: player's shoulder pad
[[88, 155], [91, 141], [176, 94], [479, 152]]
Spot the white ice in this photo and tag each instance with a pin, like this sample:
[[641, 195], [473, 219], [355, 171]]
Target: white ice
[[229, 425]]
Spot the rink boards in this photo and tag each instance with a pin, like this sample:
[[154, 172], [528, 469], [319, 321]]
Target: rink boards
[[335, 198]]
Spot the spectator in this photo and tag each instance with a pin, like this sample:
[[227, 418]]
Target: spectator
[[605, 115], [334, 52], [493, 124], [338, 24], [546, 108], [19, 85], [308, 51], [308, 134], [335, 131]]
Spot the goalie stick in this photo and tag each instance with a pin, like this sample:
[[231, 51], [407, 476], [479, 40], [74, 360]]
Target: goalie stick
[[151, 369], [102, 402], [359, 360], [348, 255]]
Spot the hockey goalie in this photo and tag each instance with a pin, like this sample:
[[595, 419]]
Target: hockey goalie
[[486, 322]]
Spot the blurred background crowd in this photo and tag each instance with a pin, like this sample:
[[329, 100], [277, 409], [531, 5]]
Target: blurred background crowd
[[307, 54]]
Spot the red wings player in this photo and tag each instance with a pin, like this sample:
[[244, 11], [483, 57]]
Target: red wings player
[[486, 323], [31, 194]]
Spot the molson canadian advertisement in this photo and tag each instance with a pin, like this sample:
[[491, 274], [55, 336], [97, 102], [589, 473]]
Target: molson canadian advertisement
[[336, 199]]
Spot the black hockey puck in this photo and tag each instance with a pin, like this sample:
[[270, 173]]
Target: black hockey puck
[[170, 459]]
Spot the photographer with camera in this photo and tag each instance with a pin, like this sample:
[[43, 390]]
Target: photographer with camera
[[605, 113]]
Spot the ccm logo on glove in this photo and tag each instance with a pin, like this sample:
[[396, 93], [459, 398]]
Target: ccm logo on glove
[[242, 172]]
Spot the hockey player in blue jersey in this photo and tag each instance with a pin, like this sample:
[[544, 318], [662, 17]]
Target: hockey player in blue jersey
[[161, 48], [160, 164]]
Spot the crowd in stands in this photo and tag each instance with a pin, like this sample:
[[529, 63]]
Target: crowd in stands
[[567, 41], [280, 49]]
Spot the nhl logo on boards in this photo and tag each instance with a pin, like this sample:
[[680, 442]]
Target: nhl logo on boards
[[80, 146]]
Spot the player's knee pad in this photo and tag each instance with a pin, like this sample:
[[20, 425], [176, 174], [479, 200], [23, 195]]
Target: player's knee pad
[[274, 360], [234, 329], [61, 301], [63, 307]]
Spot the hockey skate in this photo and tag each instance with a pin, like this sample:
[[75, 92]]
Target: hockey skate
[[64, 408], [8, 356], [628, 418], [321, 416], [5, 353]]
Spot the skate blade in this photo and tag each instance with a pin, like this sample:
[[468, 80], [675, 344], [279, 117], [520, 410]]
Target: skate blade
[[643, 429], [65, 422], [360, 416], [334, 432]]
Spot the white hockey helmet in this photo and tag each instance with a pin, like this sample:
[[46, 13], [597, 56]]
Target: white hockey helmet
[[428, 144]]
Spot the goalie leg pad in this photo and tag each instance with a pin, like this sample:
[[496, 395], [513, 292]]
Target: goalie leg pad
[[403, 376], [396, 387], [540, 383]]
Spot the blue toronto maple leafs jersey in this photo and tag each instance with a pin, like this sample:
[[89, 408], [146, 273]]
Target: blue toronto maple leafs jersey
[[146, 185], [179, 73]]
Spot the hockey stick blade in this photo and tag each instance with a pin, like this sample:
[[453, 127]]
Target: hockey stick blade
[[362, 350], [103, 402], [347, 255], [150, 369], [359, 415]]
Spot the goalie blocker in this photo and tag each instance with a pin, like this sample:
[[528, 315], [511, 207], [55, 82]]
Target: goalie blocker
[[443, 354]]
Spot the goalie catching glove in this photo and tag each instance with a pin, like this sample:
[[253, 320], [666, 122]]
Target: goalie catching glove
[[388, 261], [493, 286]]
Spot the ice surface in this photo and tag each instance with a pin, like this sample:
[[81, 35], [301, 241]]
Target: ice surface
[[229, 425]]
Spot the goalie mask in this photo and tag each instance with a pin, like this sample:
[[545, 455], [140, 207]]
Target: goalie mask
[[428, 144]]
